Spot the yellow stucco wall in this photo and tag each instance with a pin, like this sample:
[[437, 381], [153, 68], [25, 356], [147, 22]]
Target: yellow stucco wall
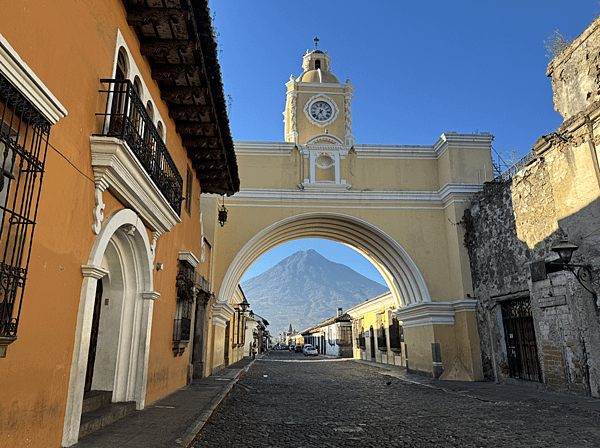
[[70, 46]]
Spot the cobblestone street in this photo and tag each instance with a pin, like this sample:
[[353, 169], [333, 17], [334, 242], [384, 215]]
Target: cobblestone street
[[286, 400]]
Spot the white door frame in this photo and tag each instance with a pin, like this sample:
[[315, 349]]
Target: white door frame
[[134, 335]]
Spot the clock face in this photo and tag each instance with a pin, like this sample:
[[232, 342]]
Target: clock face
[[321, 111]]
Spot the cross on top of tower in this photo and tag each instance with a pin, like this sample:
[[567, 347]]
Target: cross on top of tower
[[316, 39]]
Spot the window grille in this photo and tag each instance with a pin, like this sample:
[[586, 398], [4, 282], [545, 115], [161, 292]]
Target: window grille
[[381, 342], [396, 334], [345, 335], [185, 302], [362, 340], [188, 191], [24, 134], [127, 119]]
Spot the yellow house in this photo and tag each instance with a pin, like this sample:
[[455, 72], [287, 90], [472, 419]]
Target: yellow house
[[119, 109], [378, 336]]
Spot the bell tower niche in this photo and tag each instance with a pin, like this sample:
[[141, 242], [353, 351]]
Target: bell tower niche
[[318, 119]]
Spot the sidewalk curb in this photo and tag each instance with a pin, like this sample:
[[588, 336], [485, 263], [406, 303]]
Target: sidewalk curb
[[191, 434]]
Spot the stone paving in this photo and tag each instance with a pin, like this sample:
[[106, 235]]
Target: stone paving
[[286, 400]]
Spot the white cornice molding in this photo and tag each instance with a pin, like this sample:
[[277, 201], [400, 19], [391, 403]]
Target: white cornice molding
[[116, 168], [426, 313], [394, 152], [322, 186], [221, 313], [96, 272], [480, 141], [465, 305], [433, 313], [372, 305], [402, 152], [25, 80], [328, 193], [451, 191], [264, 148], [186, 255], [320, 85], [465, 141]]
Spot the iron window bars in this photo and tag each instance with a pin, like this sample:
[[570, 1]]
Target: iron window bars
[[381, 342], [126, 118], [185, 302], [396, 334], [24, 135]]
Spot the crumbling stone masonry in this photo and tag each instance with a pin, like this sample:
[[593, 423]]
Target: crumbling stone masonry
[[536, 320]]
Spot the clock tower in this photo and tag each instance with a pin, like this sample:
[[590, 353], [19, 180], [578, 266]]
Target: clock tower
[[318, 119]]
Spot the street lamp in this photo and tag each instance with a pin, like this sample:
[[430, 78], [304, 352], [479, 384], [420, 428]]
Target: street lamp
[[565, 250], [222, 213], [244, 306]]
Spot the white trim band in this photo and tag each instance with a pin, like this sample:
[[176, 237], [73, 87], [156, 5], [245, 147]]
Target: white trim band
[[24, 79]]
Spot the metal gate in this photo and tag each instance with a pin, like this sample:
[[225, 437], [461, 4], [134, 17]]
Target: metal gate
[[519, 333]]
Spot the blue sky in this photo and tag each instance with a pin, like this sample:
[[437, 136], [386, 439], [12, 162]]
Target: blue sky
[[329, 249], [419, 68]]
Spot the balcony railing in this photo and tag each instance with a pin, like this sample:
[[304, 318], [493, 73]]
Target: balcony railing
[[126, 118]]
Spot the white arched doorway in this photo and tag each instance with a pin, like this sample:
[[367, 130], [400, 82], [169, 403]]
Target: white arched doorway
[[121, 260], [393, 262]]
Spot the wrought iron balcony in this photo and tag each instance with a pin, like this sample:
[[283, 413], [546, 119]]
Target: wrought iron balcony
[[126, 118]]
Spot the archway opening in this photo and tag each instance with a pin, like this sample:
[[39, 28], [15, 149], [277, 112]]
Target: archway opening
[[306, 281], [399, 272]]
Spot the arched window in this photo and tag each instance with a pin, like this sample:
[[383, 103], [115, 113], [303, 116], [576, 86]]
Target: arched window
[[122, 66], [137, 86], [317, 64], [119, 93], [150, 110], [161, 130]]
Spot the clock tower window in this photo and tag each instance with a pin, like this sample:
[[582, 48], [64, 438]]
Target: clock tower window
[[317, 64]]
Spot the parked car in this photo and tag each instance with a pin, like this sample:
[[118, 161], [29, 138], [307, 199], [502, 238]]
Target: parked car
[[299, 348], [309, 350]]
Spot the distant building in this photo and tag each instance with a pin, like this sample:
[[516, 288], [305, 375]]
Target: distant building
[[378, 336], [331, 337]]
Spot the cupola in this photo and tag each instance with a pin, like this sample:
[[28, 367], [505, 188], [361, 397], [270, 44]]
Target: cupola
[[316, 65]]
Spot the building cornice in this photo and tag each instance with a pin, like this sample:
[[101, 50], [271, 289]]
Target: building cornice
[[433, 313], [382, 301], [25, 80], [437, 199], [221, 313], [243, 148]]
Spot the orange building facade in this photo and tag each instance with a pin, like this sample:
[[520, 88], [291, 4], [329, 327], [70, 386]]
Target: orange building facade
[[110, 288]]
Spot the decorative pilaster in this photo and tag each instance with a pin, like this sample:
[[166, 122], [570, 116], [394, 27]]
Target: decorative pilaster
[[292, 135], [347, 107]]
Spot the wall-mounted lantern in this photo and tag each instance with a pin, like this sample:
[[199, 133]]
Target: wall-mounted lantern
[[244, 306], [222, 213], [565, 250]]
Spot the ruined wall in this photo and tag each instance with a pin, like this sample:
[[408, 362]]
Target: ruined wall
[[575, 73], [514, 224]]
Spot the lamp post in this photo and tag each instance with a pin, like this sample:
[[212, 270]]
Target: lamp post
[[565, 250], [243, 307]]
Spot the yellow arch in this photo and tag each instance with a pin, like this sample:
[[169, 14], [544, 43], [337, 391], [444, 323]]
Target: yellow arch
[[397, 268]]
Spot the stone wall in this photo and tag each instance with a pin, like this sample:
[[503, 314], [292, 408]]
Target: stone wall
[[512, 225], [575, 73]]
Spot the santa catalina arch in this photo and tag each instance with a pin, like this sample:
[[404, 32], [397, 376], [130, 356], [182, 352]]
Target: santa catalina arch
[[397, 205]]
